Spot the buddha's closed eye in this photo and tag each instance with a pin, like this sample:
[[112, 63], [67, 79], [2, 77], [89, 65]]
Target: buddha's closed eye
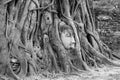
[[68, 34]]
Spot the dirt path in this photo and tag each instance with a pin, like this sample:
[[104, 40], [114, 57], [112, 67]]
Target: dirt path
[[106, 73]]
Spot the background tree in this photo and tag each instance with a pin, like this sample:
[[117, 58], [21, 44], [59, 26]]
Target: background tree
[[34, 45]]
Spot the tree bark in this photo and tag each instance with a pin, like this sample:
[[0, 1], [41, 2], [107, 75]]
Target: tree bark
[[32, 36]]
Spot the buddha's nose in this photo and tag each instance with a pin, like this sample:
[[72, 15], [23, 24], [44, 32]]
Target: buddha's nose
[[72, 42]]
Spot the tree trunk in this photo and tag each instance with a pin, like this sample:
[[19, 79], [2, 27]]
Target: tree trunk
[[32, 35]]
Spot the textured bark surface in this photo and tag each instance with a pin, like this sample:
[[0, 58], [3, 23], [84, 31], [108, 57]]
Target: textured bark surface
[[31, 45]]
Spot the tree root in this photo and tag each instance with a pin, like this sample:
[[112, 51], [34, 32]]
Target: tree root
[[98, 54]]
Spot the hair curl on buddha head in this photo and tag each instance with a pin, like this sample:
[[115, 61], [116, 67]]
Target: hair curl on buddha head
[[63, 26]]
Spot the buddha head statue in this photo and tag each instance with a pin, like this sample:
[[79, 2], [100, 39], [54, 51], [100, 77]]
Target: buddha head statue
[[66, 35]]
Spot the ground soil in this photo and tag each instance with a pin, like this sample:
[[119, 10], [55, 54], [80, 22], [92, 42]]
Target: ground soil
[[105, 73]]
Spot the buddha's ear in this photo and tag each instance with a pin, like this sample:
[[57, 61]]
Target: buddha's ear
[[61, 24]]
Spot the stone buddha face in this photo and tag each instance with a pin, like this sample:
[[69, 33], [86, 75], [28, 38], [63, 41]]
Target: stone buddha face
[[67, 36]]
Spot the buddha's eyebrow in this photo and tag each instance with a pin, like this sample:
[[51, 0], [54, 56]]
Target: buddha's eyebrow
[[71, 32]]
